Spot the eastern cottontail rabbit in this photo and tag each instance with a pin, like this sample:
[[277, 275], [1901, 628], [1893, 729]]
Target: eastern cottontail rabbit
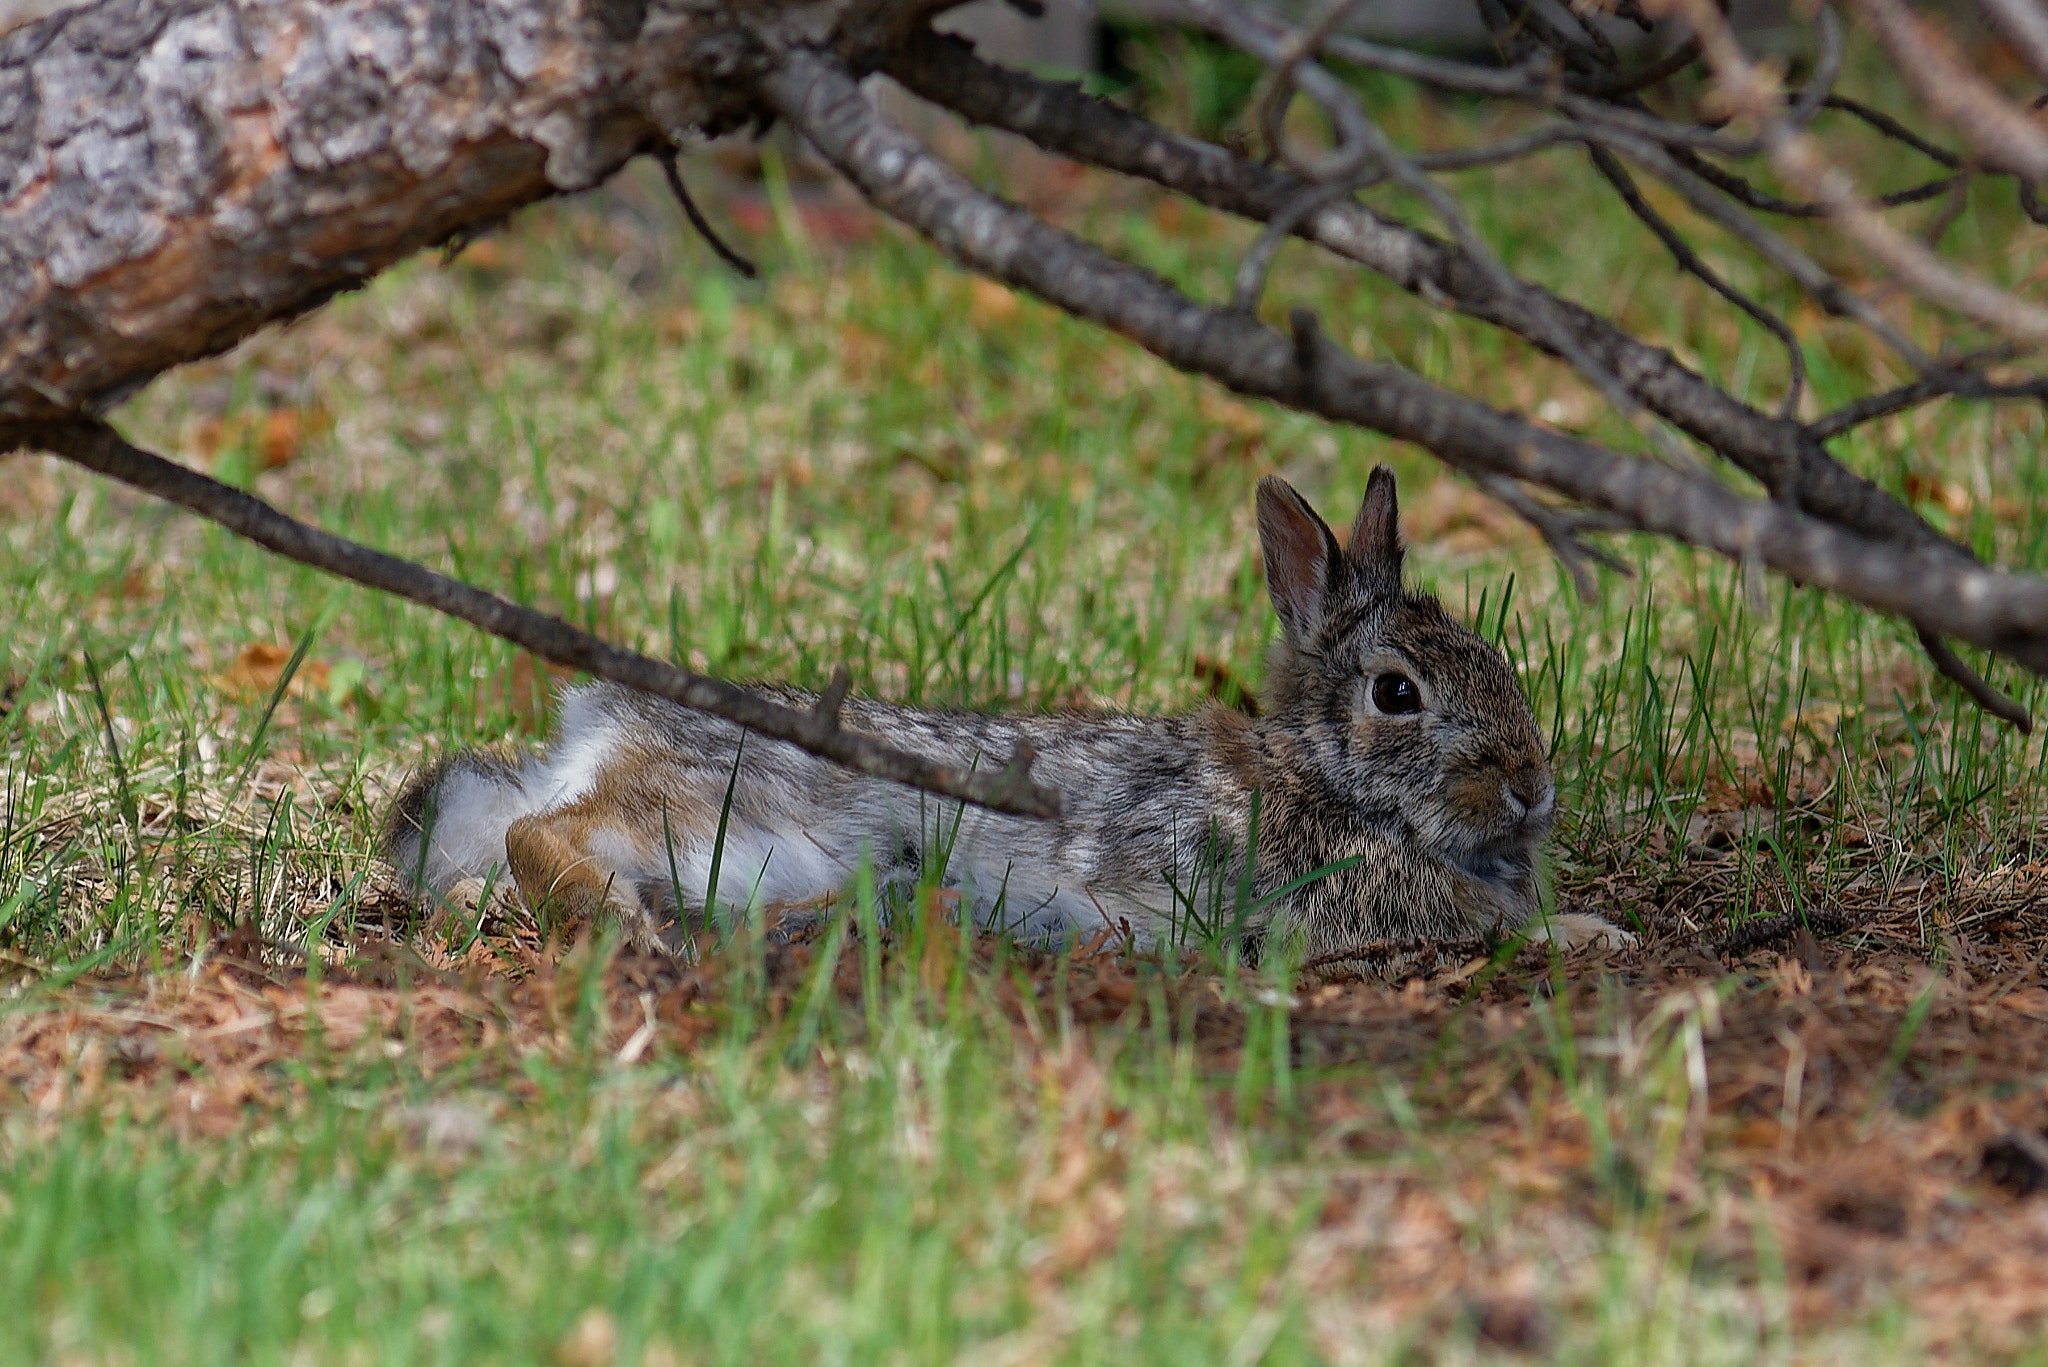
[[1392, 743]]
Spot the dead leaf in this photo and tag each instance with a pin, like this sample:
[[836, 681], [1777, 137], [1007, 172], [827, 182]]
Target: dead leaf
[[256, 671], [989, 304], [1944, 494], [525, 688], [283, 434], [277, 435], [483, 254]]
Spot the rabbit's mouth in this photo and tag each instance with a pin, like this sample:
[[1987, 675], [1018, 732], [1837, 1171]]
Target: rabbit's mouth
[[1499, 864]]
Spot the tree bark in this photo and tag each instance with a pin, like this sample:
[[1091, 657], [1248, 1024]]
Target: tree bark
[[174, 174]]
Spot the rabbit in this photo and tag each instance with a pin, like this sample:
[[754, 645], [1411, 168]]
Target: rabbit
[[1391, 743]]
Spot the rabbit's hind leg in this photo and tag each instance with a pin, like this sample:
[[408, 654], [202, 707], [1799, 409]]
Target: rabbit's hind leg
[[560, 864]]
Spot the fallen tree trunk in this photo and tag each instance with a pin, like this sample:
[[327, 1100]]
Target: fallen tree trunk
[[175, 174]]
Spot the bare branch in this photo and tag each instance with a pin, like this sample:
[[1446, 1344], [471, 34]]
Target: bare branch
[[2003, 135], [1689, 261], [1944, 592], [1060, 118], [98, 447], [1274, 44], [2025, 27], [1800, 161], [1063, 120], [1959, 382], [1660, 147]]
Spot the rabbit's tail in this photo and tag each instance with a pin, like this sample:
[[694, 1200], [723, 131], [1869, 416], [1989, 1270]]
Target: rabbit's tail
[[450, 823]]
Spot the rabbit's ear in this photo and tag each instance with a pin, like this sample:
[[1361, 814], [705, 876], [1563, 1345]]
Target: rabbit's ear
[[1375, 550], [1301, 556]]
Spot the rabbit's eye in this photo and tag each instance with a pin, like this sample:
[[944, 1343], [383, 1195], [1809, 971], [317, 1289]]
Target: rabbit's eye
[[1396, 694]]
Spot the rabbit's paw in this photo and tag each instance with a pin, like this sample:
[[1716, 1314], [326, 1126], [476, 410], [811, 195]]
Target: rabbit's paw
[[1571, 930]]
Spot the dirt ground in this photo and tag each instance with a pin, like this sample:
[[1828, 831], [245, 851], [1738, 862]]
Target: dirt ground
[[1833, 1106]]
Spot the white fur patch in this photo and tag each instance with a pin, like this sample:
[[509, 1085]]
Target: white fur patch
[[467, 839], [588, 741], [773, 866]]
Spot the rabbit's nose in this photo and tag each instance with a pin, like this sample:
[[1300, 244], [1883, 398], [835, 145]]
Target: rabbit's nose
[[1531, 795]]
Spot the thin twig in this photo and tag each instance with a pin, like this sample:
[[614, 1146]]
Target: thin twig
[[1341, 162], [1689, 261], [1744, 192], [1258, 260], [1629, 82], [1945, 218], [1958, 382], [1562, 530], [732, 258], [97, 447], [1981, 692], [1507, 149], [1893, 129]]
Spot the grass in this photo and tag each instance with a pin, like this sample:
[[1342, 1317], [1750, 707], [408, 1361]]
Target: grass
[[448, 1147]]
